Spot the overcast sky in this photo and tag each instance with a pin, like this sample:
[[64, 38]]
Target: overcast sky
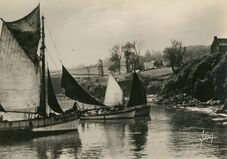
[[85, 30]]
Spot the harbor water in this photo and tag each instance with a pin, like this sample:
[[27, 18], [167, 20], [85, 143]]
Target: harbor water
[[167, 134]]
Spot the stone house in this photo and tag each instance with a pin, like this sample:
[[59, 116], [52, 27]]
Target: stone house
[[219, 45]]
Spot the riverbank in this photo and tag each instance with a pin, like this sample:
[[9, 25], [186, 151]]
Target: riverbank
[[152, 80]]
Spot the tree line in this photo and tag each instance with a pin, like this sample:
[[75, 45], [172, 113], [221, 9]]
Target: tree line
[[131, 53], [128, 55]]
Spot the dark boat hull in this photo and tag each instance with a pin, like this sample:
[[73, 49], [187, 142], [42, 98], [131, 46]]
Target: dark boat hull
[[143, 110], [26, 134], [14, 134], [39, 127], [121, 114]]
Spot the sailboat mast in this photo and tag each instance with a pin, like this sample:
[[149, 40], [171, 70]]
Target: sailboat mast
[[43, 79]]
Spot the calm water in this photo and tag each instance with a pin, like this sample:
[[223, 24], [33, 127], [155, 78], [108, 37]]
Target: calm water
[[167, 134]]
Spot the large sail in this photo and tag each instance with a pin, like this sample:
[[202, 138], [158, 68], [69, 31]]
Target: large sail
[[137, 93], [27, 32], [74, 91], [20, 80], [114, 93], [52, 99]]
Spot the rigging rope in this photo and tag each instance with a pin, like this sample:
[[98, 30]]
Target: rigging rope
[[53, 60], [52, 39]]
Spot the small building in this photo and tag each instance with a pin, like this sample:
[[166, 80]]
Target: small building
[[219, 45]]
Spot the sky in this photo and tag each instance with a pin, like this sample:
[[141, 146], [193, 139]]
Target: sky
[[85, 30]]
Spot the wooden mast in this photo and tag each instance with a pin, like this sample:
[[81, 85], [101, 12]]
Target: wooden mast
[[42, 108]]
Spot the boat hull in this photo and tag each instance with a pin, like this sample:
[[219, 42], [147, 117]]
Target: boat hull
[[122, 114], [56, 128], [39, 127], [143, 110]]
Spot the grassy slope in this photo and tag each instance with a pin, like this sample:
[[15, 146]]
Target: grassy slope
[[152, 80]]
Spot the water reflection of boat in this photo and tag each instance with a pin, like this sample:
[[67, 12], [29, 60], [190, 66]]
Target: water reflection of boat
[[23, 82], [67, 144], [139, 135]]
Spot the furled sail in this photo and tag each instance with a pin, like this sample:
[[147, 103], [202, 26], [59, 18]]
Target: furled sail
[[114, 93], [137, 93], [20, 80], [74, 91], [52, 99]]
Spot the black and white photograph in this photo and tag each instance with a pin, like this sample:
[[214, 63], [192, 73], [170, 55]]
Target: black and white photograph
[[113, 79]]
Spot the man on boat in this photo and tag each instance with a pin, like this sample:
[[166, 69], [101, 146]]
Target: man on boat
[[76, 107]]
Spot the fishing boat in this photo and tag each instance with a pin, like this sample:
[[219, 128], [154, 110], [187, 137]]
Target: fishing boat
[[24, 91], [138, 98], [114, 99], [75, 91]]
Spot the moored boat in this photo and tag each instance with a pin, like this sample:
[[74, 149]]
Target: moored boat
[[138, 98], [105, 115], [23, 82], [114, 99], [74, 91]]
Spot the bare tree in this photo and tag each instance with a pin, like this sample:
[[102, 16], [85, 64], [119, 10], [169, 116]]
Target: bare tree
[[174, 54], [136, 49], [127, 49]]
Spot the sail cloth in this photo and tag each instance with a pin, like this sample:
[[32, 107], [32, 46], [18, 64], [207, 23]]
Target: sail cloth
[[27, 32], [19, 78], [74, 91], [2, 109], [137, 93], [114, 93], [52, 99]]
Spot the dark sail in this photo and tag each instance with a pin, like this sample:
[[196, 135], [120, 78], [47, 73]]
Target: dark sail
[[74, 91], [2, 109], [137, 93], [27, 32], [52, 100]]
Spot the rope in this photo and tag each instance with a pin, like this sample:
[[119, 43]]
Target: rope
[[52, 39], [53, 60]]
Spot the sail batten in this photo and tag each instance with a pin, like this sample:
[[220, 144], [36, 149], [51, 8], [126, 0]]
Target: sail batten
[[52, 99], [114, 93], [74, 91], [137, 93]]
